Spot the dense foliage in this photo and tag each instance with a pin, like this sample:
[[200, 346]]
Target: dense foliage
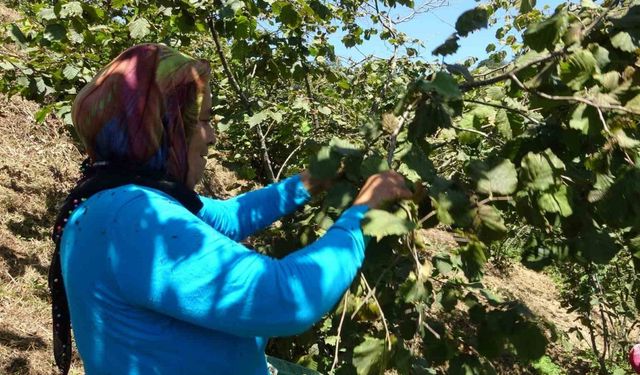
[[543, 148]]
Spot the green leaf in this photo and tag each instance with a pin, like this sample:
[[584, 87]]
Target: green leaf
[[372, 165], [71, 9], [325, 164], [525, 6], [529, 341], [623, 42], [596, 246], [578, 69], [509, 124], [585, 119], [368, 356], [413, 289], [17, 35], [415, 163], [452, 206], [449, 47], [42, 113], [47, 14], [344, 147], [257, 118], [556, 201], [449, 296], [539, 170], [55, 31], [472, 20], [473, 260], [500, 177], [444, 84], [443, 264], [139, 28], [117, 4], [340, 195], [619, 204], [289, 16], [547, 33], [488, 222], [70, 72], [634, 103], [623, 140], [380, 223]]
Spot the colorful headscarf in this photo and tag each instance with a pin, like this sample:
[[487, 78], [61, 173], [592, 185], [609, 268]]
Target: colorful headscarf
[[140, 110]]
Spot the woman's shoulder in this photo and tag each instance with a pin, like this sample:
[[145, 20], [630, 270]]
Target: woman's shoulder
[[133, 197]]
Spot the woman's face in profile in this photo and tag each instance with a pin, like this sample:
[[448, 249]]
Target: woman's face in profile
[[203, 136]]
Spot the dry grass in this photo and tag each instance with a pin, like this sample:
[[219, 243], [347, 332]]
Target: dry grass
[[38, 163]]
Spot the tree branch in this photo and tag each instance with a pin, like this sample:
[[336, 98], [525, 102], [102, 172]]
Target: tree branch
[[339, 333], [243, 97], [573, 99], [467, 86], [502, 77], [384, 320], [521, 113], [284, 164]]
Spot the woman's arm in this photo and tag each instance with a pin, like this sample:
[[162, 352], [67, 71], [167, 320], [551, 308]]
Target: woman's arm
[[179, 266], [247, 213]]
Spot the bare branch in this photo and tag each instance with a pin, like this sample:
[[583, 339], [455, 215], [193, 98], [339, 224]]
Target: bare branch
[[572, 99], [384, 320], [475, 131], [426, 217], [243, 97], [502, 77], [515, 110], [284, 164], [337, 350]]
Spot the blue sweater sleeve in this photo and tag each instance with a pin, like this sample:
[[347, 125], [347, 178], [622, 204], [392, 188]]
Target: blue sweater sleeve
[[178, 265], [247, 213]]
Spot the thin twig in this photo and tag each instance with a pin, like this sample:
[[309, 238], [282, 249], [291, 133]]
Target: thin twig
[[426, 217], [393, 139], [471, 130], [375, 286], [494, 199], [287, 160], [502, 77], [384, 320], [243, 97], [515, 110], [344, 313], [573, 99]]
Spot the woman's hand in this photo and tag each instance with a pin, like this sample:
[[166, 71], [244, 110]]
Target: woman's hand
[[383, 188]]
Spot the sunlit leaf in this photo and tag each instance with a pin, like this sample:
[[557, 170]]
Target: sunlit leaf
[[368, 356], [500, 177], [380, 223], [139, 28], [546, 34]]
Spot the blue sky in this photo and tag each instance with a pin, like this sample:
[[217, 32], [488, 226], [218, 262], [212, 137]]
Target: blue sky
[[433, 28]]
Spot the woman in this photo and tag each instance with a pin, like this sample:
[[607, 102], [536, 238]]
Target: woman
[[152, 274]]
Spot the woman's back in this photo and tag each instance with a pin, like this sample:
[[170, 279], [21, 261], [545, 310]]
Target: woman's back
[[116, 335]]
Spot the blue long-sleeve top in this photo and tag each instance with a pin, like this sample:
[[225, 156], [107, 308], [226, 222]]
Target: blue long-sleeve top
[[155, 289]]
